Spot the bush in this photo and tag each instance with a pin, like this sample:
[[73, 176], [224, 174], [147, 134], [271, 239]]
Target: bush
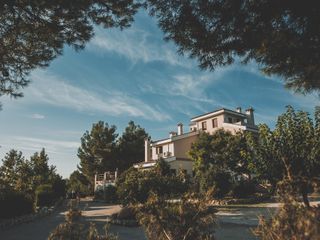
[[109, 194], [13, 204], [135, 186], [45, 195], [243, 189], [127, 213], [189, 219], [218, 181], [292, 221]]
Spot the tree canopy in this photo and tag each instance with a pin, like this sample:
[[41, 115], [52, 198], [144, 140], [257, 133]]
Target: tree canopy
[[97, 151], [131, 146], [282, 36], [19, 175], [33, 33], [102, 150]]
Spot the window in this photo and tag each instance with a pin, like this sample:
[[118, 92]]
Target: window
[[204, 125], [159, 150], [229, 120], [214, 123]]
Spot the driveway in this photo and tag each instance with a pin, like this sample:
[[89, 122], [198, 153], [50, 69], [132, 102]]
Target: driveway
[[36, 230], [233, 223]]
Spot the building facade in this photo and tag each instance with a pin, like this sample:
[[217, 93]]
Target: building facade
[[174, 149]]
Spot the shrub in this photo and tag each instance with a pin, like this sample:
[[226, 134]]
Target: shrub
[[188, 219], [127, 213], [73, 229], [13, 204], [243, 189], [135, 186], [292, 221], [45, 195], [109, 194], [218, 181]]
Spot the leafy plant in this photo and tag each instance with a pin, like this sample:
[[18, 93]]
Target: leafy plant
[[292, 221], [187, 219]]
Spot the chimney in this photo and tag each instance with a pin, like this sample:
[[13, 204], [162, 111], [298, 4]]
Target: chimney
[[250, 117], [180, 128], [147, 150], [172, 134], [238, 109]]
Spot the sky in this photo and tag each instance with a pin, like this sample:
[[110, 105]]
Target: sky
[[130, 75]]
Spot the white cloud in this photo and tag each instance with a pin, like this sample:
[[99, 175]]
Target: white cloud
[[136, 45], [49, 89], [191, 87], [36, 144], [62, 154], [37, 116]]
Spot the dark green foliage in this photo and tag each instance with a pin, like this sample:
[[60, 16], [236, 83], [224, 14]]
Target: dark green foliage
[[189, 218], [78, 183], [33, 33], [291, 151], [45, 196], [126, 213], [35, 181], [98, 151], [243, 189], [13, 204], [220, 182], [219, 159], [281, 36], [101, 151], [11, 167], [59, 186], [266, 165], [135, 186], [293, 220], [131, 146], [108, 195]]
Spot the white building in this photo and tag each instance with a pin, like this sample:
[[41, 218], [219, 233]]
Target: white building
[[174, 149]]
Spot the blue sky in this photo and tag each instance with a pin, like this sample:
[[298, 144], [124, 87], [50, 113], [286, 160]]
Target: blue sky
[[130, 75]]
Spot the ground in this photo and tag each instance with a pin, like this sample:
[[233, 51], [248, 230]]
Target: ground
[[229, 226], [234, 223]]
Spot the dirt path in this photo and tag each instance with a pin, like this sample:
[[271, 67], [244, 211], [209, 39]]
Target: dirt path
[[36, 230], [233, 223], [230, 226]]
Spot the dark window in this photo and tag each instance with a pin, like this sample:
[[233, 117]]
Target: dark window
[[229, 120], [238, 120], [159, 150], [214, 123], [204, 125]]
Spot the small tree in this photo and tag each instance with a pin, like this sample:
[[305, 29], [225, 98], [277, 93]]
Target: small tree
[[218, 158], [292, 221], [45, 195], [97, 150], [135, 186], [187, 219], [292, 150], [131, 146]]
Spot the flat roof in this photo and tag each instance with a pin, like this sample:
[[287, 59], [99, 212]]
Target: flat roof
[[221, 110]]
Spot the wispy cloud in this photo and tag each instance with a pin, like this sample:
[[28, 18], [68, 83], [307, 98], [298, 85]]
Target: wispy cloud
[[50, 89], [191, 87], [31, 144], [62, 154], [37, 116], [136, 45]]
